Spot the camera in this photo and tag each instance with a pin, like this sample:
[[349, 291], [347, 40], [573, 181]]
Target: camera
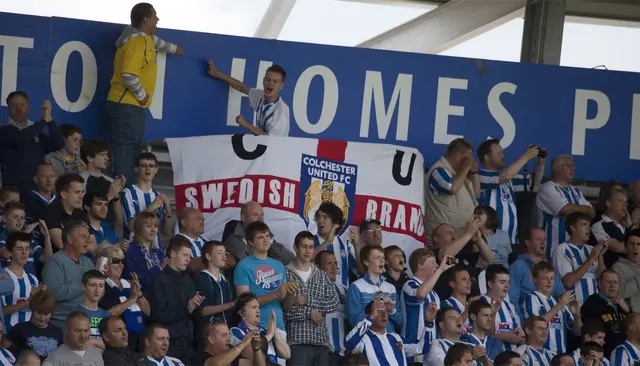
[[451, 261], [542, 151]]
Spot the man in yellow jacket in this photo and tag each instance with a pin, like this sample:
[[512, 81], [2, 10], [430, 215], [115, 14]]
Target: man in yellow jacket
[[132, 86]]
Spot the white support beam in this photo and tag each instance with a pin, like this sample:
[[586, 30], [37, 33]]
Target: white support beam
[[274, 19], [627, 12], [447, 25]]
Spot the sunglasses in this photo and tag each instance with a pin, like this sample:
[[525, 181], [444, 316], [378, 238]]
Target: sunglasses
[[117, 260]]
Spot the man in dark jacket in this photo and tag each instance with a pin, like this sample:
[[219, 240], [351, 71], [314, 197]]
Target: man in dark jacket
[[174, 301], [116, 340], [23, 144]]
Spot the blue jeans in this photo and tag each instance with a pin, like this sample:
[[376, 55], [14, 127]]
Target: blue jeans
[[126, 124]]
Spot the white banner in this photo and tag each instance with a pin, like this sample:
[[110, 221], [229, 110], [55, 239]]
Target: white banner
[[290, 177]]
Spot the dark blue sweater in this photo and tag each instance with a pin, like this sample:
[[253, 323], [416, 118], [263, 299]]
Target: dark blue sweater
[[21, 151]]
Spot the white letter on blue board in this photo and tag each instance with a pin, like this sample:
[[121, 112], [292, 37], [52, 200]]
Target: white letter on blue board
[[581, 123], [158, 95], [329, 101], [401, 91], [444, 109], [11, 46], [634, 147], [235, 97], [501, 114], [59, 68]]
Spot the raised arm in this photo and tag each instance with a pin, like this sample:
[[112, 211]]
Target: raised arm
[[234, 83]]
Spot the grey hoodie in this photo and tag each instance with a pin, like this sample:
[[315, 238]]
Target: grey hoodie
[[629, 274], [60, 166], [131, 81]]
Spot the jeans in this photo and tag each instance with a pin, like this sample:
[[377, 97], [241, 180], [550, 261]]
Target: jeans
[[126, 124], [307, 355]]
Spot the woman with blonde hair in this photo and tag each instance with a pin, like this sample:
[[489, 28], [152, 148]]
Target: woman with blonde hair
[[121, 297], [143, 258]]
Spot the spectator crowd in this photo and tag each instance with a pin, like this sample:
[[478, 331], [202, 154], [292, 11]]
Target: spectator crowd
[[92, 272]]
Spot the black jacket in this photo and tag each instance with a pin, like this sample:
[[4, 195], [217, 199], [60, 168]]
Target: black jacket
[[123, 357], [170, 293]]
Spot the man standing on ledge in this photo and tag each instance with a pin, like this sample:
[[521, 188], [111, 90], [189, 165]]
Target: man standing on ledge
[[132, 86], [273, 112]]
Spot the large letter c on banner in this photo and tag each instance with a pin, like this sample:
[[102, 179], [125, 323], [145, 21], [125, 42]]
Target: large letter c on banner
[[242, 153]]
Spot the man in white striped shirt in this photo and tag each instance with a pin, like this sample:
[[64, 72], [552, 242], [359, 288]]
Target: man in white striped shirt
[[533, 352], [191, 226], [418, 301], [451, 327], [556, 199], [272, 112], [498, 184], [507, 327], [579, 264], [141, 197], [628, 353]]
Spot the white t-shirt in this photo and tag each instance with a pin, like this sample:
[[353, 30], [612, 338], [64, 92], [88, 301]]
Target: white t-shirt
[[304, 275], [273, 118]]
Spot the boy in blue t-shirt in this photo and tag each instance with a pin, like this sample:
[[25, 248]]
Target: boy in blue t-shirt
[[261, 275], [93, 287]]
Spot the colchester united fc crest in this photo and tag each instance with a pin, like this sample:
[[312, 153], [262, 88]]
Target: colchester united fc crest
[[323, 180]]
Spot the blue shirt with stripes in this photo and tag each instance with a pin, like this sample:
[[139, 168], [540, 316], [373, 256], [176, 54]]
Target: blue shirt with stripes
[[538, 304], [578, 361], [134, 201], [386, 349], [625, 354], [196, 251], [550, 200], [345, 255], [531, 356], [491, 345], [337, 323], [506, 320], [6, 357], [34, 255], [167, 361], [568, 258], [238, 333], [23, 287], [363, 291], [414, 309], [502, 197], [106, 233], [440, 182], [454, 303]]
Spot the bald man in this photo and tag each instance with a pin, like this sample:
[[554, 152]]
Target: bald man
[[237, 245], [191, 226]]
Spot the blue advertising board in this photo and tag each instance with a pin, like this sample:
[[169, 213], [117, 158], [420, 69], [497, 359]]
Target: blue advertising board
[[354, 94]]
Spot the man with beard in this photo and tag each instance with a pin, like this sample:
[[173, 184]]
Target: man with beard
[[628, 270], [116, 340]]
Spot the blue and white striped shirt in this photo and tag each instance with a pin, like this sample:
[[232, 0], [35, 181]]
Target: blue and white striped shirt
[[454, 303], [337, 323], [346, 256], [23, 287], [538, 304], [167, 361], [440, 182], [238, 333], [388, 349], [506, 320], [6, 357], [492, 347], [438, 351], [272, 118], [625, 354], [414, 323], [134, 201], [531, 356], [568, 258], [501, 196], [196, 252], [362, 292], [550, 200]]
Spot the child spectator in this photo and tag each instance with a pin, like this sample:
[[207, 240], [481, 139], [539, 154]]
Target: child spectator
[[49, 337], [93, 288], [8, 194], [141, 197], [16, 305], [38, 251], [395, 259], [95, 153], [460, 283], [498, 240], [67, 159]]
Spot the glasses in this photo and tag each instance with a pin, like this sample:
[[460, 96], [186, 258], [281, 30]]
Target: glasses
[[117, 260]]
